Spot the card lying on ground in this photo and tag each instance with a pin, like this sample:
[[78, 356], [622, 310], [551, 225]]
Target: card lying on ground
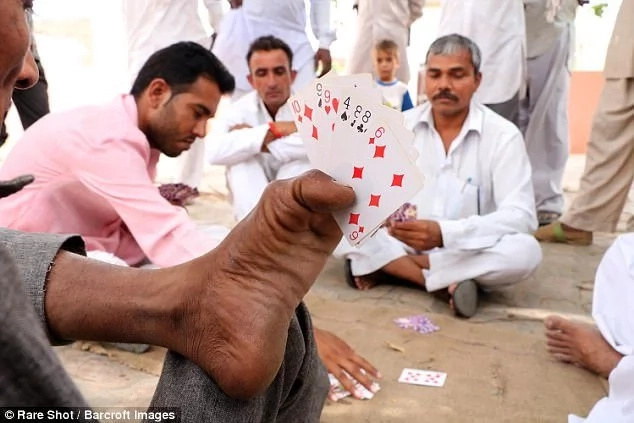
[[351, 136], [423, 377], [338, 392]]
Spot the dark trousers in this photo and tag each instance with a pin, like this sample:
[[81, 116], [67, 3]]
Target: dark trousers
[[32, 375], [296, 395]]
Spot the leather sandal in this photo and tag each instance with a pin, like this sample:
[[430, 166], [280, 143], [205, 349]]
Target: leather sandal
[[555, 232]]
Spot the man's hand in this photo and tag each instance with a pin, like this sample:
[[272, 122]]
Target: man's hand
[[323, 56], [340, 359], [286, 128], [421, 235], [239, 126], [14, 185]]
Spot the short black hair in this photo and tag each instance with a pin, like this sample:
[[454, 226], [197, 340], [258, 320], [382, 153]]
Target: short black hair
[[180, 65], [269, 43]]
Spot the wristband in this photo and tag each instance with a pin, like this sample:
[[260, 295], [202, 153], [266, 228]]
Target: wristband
[[276, 134]]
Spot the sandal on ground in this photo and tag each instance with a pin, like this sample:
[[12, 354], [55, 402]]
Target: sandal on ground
[[465, 298], [555, 232], [547, 217]]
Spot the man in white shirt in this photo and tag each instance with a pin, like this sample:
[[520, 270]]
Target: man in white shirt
[[544, 110], [497, 27], [383, 20], [476, 210], [285, 19], [152, 25], [606, 349], [257, 139]]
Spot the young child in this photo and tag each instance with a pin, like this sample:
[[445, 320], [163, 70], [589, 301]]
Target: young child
[[395, 94]]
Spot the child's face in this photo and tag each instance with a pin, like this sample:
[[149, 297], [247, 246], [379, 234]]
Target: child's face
[[385, 65]]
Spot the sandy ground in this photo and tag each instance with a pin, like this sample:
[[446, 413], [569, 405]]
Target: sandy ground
[[497, 367]]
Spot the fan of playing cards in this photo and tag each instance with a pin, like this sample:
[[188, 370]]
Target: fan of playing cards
[[351, 136]]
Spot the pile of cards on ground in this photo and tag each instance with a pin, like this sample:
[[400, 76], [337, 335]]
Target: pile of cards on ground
[[350, 135]]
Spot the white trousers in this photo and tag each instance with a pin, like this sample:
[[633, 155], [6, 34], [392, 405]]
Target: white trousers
[[512, 259], [246, 181], [544, 122], [613, 312]]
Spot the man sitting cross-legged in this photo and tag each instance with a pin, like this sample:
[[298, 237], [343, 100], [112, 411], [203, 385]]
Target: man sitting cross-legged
[[94, 169], [476, 210], [257, 140], [608, 348]]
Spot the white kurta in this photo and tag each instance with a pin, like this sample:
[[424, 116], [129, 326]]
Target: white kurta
[[544, 110], [154, 24], [497, 27], [481, 195], [383, 20], [249, 170], [285, 19], [613, 312]]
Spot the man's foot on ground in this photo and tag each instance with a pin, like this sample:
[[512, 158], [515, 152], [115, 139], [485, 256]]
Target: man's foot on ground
[[559, 232], [547, 217], [580, 344], [463, 298], [365, 282]]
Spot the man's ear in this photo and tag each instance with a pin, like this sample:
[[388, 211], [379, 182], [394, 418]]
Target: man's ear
[[293, 75], [250, 79], [158, 92], [478, 79]]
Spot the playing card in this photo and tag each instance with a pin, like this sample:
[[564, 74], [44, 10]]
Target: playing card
[[337, 391], [323, 95], [377, 167], [405, 213], [311, 126], [351, 136], [423, 377]]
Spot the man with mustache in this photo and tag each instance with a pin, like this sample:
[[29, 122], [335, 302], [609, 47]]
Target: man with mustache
[[257, 139], [94, 169], [242, 369], [498, 28], [476, 210]]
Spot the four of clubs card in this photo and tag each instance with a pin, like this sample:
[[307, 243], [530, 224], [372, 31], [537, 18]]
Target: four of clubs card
[[351, 136]]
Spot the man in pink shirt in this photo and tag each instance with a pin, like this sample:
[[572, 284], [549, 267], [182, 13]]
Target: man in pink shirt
[[94, 171], [95, 166]]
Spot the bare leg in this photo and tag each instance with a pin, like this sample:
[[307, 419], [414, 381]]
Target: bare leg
[[407, 268], [581, 345]]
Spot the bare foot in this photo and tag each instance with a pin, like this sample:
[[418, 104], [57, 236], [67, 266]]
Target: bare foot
[[451, 290], [369, 281], [249, 286], [581, 345]]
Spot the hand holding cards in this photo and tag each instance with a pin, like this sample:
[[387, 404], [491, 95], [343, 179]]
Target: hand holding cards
[[351, 136]]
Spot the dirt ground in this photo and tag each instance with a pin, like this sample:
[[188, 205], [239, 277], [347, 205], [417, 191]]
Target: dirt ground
[[497, 366], [498, 369]]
